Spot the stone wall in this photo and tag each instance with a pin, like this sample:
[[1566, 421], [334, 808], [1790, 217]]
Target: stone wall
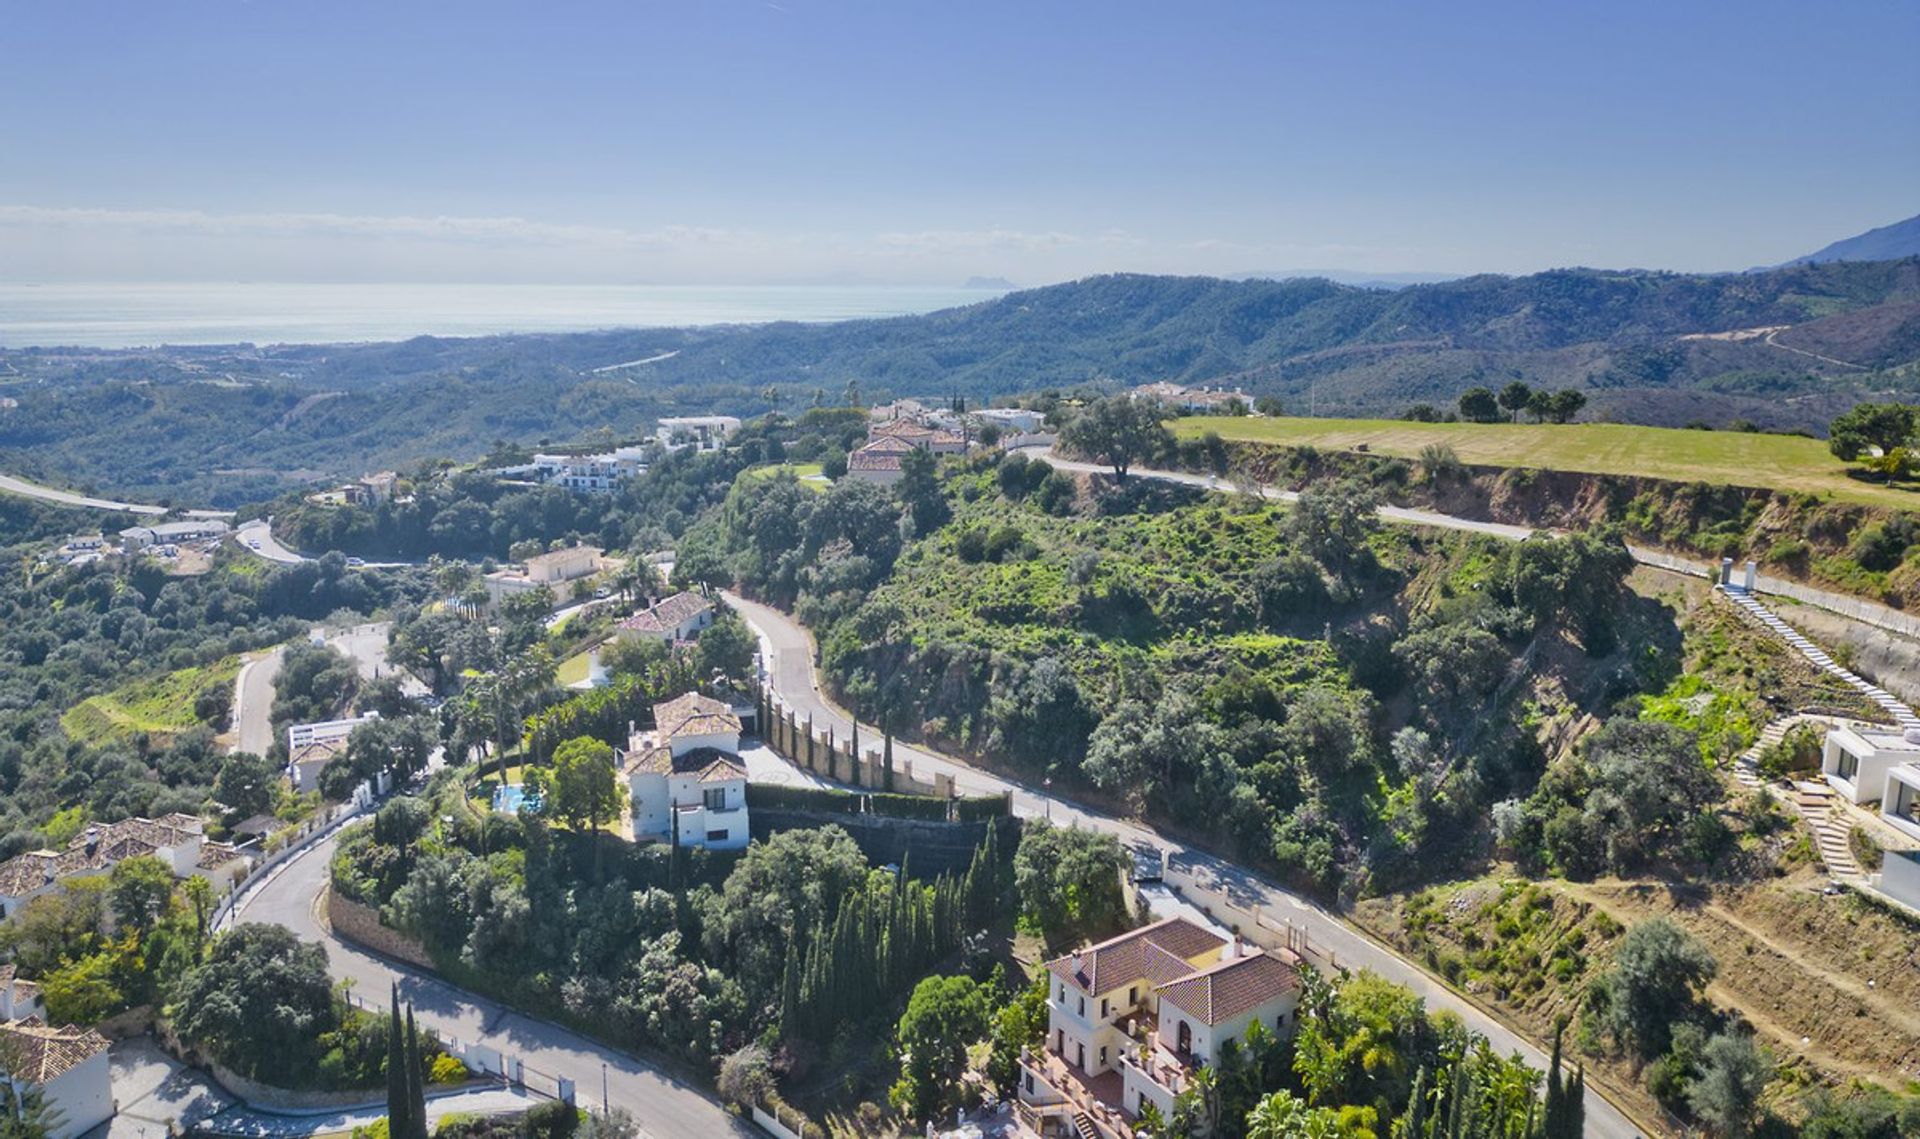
[[360, 924], [257, 1094]]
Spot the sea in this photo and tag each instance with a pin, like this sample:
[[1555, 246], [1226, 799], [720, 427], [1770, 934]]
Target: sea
[[150, 315]]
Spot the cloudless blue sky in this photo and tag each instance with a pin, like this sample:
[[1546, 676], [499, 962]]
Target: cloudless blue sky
[[772, 140]]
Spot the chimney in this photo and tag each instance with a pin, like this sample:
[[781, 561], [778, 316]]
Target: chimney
[[1076, 963], [93, 840]]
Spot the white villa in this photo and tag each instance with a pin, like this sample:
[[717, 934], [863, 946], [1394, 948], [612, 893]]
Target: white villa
[[550, 569], [70, 1067], [177, 840], [1129, 1021], [686, 779], [700, 432], [135, 538], [592, 474], [676, 618], [310, 747]]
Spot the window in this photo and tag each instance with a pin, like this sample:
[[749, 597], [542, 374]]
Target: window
[[717, 836], [1183, 1039], [1133, 995], [1029, 1082], [1063, 994], [1082, 1006], [716, 798], [1103, 1055], [1103, 1008], [1849, 766]]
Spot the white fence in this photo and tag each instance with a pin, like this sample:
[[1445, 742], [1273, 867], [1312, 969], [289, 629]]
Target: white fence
[[1857, 609]]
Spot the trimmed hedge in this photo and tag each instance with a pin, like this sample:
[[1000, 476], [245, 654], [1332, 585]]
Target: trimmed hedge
[[907, 806], [777, 797], [976, 808]]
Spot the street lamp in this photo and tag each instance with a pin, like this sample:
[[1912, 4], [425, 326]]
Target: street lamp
[[1047, 795]]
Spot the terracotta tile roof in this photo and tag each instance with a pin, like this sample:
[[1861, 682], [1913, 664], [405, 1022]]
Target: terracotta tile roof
[[41, 1054], [693, 715], [25, 873], [319, 751], [96, 848], [667, 615], [1148, 953], [723, 767], [214, 855], [890, 445], [1219, 993], [948, 438], [707, 763], [900, 429], [865, 460]]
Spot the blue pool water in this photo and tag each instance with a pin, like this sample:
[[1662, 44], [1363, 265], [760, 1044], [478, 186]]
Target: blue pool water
[[510, 799]]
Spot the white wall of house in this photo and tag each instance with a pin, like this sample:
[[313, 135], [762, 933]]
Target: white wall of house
[[650, 805], [1856, 764], [83, 1095], [1900, 876], [1900, 799], [728, 742]]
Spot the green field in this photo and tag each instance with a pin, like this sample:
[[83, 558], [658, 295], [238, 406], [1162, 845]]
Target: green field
[[158, 705], [1775, 462], [574, 669], [808, 474]]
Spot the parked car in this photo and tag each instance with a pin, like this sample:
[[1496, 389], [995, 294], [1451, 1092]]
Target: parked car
[[356, 562]]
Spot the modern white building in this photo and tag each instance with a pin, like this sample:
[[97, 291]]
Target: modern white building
[[676, 618], [1017, 420], [700, 432], [1129, 1020], [685, 777], [70, 1067], [135, 538], [310, 747], [592, 474], [1857, 759]]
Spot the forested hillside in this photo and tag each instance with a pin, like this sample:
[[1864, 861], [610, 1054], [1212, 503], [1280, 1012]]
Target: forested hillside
[[231, 425]]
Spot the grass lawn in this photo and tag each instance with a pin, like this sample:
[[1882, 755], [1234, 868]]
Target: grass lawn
[[1779, 462], [573, 670], [158, 705], [808, 474]]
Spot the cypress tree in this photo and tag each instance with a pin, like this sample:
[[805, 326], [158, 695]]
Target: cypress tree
[[1575, 1110], [416, 1088], [887, 760], [398, 1101]]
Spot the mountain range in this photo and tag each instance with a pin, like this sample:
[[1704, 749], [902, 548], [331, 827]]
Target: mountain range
[[1901, 239], [1784, 348]]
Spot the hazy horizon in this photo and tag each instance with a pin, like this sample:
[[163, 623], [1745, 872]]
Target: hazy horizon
[[750, 143]]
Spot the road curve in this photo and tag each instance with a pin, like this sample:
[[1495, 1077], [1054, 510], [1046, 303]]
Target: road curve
[[665, 1107], [1852, 608], [788, 655], [20, 486]]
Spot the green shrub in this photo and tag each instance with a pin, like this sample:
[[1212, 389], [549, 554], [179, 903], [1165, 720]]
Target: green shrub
[[447, 1070]]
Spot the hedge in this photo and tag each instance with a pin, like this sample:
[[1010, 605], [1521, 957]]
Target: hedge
[[975, 808], [907, 806], [774, 796]]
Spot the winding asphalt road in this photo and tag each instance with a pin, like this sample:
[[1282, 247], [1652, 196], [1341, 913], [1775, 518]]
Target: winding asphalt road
[[665, 1107], [20, 486], [788, 654]]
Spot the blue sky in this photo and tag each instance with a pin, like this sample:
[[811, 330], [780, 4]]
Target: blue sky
[[738, 141]]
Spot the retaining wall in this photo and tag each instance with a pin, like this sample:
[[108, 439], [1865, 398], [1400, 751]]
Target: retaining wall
[[835, 757], [927, 847], [361, 924]]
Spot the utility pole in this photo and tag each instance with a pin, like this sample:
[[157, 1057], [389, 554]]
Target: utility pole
[[606, 1108]]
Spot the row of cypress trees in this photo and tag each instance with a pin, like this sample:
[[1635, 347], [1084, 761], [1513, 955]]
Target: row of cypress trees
[[406, 1085], [882, 939]]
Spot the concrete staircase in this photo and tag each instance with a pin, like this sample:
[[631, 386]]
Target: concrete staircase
[[1894, 708], [1818, 805], [1083, 1126]]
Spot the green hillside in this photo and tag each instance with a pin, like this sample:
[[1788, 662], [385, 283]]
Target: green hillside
[[158, 705], [1775, 462]]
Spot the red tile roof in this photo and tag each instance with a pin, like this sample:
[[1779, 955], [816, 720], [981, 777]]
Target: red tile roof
[[865, 460], [1157, 953], [667, 615], [1220, 992], [40, 1054]]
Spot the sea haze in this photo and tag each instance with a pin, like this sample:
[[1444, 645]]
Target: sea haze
[[143, 315]]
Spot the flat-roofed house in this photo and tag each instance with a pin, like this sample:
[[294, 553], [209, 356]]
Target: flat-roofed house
[[700, 432], [550, 569], [1857, 758], [685, 778]]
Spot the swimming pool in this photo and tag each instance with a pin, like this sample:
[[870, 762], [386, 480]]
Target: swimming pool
[[513, 798]]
